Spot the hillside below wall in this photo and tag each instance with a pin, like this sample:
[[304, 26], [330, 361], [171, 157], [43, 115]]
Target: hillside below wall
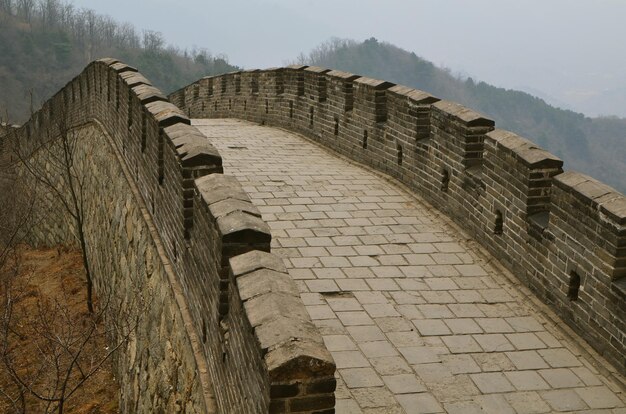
[[157, 369], [6, 128], [563, 234], [177, 245]]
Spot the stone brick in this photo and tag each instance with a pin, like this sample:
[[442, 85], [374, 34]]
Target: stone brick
[[326, 386], [166, 114], [313, 403], [281, 330], [277, 407], [148, 94], [256, 260], [241, 227], [229, 206], [284, 390], [299, 360], [217, 187], [265, 281], [264, 308]]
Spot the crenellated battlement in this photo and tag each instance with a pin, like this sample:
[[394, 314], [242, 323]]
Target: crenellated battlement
[[563, 234], [161, 213], [225, 323]]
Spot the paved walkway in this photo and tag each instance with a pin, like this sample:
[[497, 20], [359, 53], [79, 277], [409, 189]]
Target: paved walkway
[[415, 317]]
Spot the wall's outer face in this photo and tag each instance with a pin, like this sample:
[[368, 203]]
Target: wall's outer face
[[5, 155], [157, 369], [6, 128], [163, 224], [543, 224]]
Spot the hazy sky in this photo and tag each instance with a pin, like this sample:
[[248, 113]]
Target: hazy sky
[[571, 51]]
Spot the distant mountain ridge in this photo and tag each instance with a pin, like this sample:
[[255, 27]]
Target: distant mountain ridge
[[43, 44], [594, 146]]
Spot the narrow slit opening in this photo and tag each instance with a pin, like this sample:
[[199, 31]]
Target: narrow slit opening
[[130, 109], [574, 286], [445, 180], [497, 228], [144, 132], [254, 85], [117, 95], [300, 81], [160, 165]]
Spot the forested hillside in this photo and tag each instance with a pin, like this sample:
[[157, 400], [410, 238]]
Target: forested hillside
[[44, 43], [595, 146]]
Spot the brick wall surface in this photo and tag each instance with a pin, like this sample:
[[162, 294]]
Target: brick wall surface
[[6, 159], [163, 223], [547, 226]]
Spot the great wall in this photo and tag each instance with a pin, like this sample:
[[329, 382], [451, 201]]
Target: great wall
[[230, 328]]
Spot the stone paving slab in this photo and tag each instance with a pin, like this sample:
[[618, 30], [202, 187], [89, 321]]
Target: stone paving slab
[[416, 318]]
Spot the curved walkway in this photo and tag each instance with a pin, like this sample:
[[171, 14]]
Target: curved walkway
[[416, 318]]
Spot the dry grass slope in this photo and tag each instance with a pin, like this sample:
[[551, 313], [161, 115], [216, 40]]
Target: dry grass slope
[[48, 276]]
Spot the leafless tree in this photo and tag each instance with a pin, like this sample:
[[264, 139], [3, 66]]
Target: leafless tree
[[64, 339], [153, 41], [53, 165], [6, 6], [15, 211], [25, 9]]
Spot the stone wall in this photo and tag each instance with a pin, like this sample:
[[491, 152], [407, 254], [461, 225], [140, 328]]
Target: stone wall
[[562, 234], [7, 177], [6, 128], [5, 155], [163, 226]]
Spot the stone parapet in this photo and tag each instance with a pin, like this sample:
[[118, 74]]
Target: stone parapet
[[562, 234], [297, 367], [161, 212]]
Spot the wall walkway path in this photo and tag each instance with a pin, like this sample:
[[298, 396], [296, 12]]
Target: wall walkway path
[[418, 318]]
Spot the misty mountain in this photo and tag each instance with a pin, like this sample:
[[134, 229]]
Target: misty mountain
[[45, 43], [594, 146], [603, 102]]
